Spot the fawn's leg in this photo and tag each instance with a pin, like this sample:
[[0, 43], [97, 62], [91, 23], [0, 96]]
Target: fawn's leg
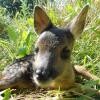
[[16, 75], [81, 70]]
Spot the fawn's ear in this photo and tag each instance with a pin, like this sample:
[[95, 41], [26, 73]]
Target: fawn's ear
[[77, 24], [41, 20]]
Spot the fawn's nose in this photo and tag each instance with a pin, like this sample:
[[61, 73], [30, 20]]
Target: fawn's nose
[[42, 75]]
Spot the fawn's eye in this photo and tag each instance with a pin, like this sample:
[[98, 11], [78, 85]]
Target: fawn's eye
[[65, 53], [36, 50]]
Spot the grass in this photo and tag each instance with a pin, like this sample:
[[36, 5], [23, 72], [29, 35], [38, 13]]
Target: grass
[[17, 38]]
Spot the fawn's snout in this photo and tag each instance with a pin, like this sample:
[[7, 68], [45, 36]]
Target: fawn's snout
[[45, 75], [42, 74]]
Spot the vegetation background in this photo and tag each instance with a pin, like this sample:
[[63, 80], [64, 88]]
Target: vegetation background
[[17, 35]]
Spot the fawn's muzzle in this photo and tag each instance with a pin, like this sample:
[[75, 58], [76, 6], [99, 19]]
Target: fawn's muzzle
[[44, 76]]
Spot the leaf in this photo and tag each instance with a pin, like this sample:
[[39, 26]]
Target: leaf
[[70, 8], [12, 33], [7, 94], [22, 52], [24, 35], [30, 21], [6, 45]]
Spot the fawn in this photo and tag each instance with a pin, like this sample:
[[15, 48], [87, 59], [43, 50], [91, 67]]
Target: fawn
[[51, 64]]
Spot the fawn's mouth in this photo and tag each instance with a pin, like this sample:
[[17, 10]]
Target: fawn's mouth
[[43, 84], [45, 80]]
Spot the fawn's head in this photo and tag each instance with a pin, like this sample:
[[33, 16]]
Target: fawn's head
[[54, 46]]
